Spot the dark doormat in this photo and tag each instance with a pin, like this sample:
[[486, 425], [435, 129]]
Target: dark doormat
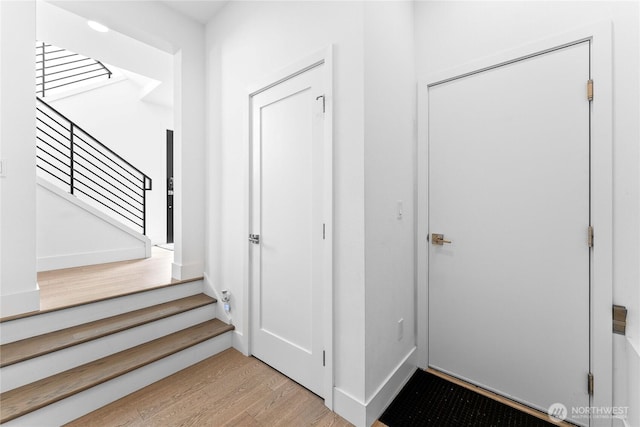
[[428, 400]]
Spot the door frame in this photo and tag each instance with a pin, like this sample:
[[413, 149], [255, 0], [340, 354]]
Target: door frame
[[321, 57], [169, 187], [601, 291]]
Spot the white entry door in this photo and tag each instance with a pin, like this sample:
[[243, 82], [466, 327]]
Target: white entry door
[[509, 191], [287, 211]]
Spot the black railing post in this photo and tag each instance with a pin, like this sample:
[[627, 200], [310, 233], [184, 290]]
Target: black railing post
[[43, 70], [144, 210], [71, 156]]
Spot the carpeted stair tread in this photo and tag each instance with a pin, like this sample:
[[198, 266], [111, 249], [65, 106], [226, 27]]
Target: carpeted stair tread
[[428, 400], [20, 401], [29, 348]]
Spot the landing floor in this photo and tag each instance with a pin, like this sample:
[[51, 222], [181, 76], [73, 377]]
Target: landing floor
[[70, 287]]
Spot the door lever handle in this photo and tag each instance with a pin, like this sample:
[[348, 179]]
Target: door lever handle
[[438, 239]]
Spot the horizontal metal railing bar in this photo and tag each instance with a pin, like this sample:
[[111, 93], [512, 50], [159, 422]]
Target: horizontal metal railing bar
[[107, 190], [103, 177], [136, 181], [106, 173], [64, 56], [107, 183], [54, 148], [75, 75], [128, 180], [55, 51], [136, 174], [53, 175], [52, 165], [62, 64], [53, 129], [76, 81], [96, 141], [47, 59], [70, 69], [68, 129], [61, 162], [107, 206], [54, 138]]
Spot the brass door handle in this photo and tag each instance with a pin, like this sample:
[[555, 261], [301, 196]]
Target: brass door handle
[[438, 239]]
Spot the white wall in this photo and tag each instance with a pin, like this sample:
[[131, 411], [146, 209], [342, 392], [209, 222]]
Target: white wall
[[156, 25], [452, 33], [373, 169], [136, 130], [246, 42], [72, 234], [19, 292], [389, 93]]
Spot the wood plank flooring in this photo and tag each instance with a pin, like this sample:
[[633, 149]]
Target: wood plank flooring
[[73, 286], [228, 389], [70, 287]]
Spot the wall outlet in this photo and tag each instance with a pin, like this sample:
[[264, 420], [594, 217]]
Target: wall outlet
[[400, 329]]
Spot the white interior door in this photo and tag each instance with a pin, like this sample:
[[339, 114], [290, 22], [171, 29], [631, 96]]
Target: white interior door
[[509, 188], [287, 214]]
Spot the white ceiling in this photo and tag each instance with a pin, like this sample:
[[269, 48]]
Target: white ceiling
[[199, 10]]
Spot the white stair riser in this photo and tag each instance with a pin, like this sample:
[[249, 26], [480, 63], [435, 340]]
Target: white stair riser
[[89, 400], [28, 327], [31, 370]]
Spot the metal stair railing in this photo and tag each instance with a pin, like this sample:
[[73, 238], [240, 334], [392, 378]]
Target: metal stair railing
[[88, 169], [57, 67]]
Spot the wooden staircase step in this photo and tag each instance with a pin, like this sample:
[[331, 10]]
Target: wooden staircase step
[[23, 400], [29, 348]]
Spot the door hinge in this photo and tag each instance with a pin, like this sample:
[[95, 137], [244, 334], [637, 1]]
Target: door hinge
[[323, 103], [323, 231], [590, 237], [590, 90], [590, 383], [323, 358], [619, 319]]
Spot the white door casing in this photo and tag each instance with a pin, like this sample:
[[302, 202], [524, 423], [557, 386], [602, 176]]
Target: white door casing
[[598, 339], [290, 198]]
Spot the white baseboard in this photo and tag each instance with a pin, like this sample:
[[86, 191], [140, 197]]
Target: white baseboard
[[349, 407], [366, 413], [391, 387], [57, 262], [240, 343], [23, 302], [186, 271]]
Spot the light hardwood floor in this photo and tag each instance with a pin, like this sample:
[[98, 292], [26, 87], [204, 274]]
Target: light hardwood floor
[[73, 286], [228, 389]]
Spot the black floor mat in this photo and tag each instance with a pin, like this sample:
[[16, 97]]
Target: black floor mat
[[428, 400]]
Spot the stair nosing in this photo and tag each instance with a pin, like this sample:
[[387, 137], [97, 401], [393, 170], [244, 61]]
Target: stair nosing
[[102, 364], [104, 333]]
